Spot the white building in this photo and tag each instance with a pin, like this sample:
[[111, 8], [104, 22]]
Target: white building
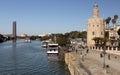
[[42, 35], [113, 31]]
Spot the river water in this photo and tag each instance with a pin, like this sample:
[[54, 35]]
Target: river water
[[27, 59]]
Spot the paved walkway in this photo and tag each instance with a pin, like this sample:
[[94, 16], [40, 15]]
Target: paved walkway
[[93, 63]]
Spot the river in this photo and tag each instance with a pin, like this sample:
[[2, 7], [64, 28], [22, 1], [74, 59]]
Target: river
[[27, 59]]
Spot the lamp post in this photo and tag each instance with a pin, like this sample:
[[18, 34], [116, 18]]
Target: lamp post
[[104, 52]]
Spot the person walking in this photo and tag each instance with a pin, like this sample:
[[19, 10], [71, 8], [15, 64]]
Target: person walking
[[101, 55], [87, 51], [109, 56]]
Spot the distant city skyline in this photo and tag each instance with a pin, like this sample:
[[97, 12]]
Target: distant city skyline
[[36, 17]]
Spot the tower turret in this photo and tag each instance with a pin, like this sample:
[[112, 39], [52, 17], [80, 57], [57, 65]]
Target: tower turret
[[95, 11]]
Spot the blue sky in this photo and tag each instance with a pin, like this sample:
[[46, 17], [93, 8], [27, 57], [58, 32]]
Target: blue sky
[[35, 17]]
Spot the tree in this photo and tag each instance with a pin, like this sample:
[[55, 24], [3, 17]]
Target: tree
[[47, 37], [113, 22], [64, 39], [99, 41], [107, 21], [104, 41], [115, 17]]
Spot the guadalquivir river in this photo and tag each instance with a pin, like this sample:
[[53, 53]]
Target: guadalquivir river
[[27, 59]]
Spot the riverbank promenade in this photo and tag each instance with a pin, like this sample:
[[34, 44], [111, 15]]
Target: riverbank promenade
[[81, 62]]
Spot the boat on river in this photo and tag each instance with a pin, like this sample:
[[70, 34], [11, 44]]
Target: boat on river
[[27, 40], [45, 44], [53, 49]]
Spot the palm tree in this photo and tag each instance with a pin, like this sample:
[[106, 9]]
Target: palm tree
[[109, 18], [107, 21], [115, 18], [114, 22]]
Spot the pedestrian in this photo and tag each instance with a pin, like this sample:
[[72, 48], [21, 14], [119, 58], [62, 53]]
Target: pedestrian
[[109, 56], [101, 55], [76, 50], [87, 51], [115, 57], [82, 57]]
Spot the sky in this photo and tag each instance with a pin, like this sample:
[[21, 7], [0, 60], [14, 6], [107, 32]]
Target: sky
[[36, 17]]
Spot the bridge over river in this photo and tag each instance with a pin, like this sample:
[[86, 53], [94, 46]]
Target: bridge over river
[[27, 59]]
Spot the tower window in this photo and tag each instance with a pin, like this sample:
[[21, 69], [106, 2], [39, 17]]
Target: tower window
[[93, 33], [97, 25], [101, 33]]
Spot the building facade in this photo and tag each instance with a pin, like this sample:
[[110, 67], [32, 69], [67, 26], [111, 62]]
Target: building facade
[[95, 26], [113, 31], [113, 35]]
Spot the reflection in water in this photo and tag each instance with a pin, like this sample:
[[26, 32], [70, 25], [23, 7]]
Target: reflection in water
[[19, 58], [14, 40], [14, 57]]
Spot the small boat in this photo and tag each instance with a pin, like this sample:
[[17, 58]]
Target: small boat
[[27, 40], [45, 44]]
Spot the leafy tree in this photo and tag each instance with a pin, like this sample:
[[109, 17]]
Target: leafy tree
[[77, 34], [63, 39], [100, 41], [46, 38], [83, 34], [96, 40], [104, 41]]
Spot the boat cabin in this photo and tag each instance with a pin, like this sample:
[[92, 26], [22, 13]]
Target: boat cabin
[[52, 49]]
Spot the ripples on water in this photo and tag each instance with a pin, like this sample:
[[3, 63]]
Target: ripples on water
[[27, 59]]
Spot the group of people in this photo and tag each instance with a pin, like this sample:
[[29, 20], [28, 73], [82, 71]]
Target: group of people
[[102, 54]]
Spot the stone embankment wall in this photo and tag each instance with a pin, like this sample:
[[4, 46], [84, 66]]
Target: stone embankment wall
[[73, 64], [91, 63]]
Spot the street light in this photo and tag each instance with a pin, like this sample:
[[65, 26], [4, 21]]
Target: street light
[[104, 52]]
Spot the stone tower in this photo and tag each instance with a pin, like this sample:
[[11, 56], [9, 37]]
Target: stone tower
[[95, 26]]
